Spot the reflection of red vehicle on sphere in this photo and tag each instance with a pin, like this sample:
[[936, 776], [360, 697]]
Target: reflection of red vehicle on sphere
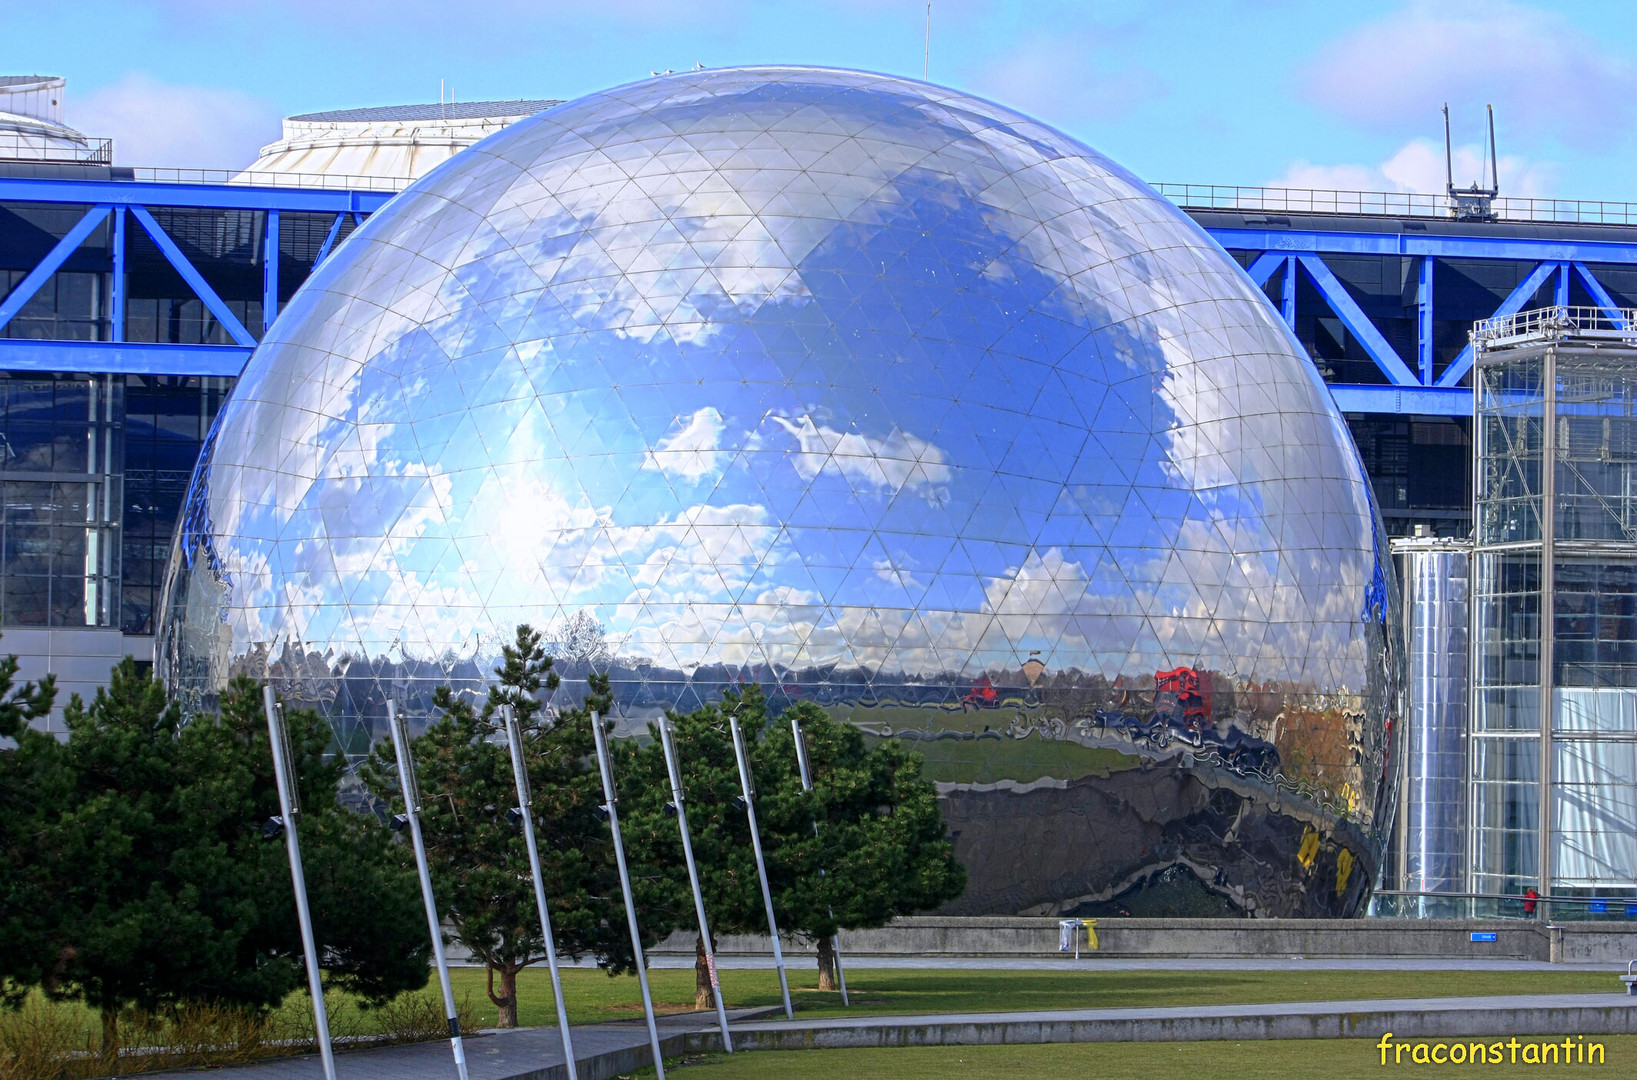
[[1193, 707], [983, 695]]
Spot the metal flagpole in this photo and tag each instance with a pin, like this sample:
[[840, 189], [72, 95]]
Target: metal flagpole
[[525, 814], [668, 744], [284, 776], [609, 807], [749, 799], [807, 787], [411, 789]]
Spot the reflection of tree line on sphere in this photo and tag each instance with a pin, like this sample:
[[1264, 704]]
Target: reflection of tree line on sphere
[[131, 855], [879, 849]]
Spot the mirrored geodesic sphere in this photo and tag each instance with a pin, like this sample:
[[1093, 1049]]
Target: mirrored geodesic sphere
[[868, 391]]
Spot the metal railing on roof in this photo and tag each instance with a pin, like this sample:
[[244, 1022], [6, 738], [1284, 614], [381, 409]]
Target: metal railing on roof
[[1390, 204], [26, 146], [243, 177], [1555, 323]]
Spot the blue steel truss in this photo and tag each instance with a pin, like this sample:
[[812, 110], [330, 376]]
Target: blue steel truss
[[1411, 386]]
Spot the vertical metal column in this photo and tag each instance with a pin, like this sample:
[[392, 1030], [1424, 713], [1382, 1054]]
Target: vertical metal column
[[1287, 293], [1548, 607], [1560, 294], [668, 744], [270, 273], [284, 777], [525, 814], [1423, 321], [807, 787], [607, 770], [411, 789], [116, 301], [749, 797]]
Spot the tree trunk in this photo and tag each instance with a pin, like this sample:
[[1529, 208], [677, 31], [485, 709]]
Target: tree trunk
[[110, 1031], [827, 963], [506, 1000], [702, 990]]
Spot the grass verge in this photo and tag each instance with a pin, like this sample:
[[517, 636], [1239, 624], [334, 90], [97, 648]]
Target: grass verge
[[593, 996], [1332, 1059]]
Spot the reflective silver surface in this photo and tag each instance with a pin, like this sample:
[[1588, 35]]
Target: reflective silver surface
[[866, 390]]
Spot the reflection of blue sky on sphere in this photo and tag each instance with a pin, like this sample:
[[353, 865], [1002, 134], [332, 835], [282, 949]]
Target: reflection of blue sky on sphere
[[784, 369]]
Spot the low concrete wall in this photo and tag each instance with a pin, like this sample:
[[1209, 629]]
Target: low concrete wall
[[1023, 936], [1613, 1015]]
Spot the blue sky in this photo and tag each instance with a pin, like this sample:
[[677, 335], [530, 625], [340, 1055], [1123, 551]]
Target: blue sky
[[1330, 94]]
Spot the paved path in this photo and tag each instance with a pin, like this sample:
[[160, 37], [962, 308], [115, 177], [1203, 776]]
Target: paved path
[[606, 1050], [603, 1051]]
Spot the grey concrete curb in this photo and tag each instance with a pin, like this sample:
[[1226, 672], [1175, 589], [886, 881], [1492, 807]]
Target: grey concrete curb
[[1559, 1014]]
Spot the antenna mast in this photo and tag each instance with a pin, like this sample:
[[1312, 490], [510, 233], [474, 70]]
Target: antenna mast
[[926, 60], [1474, 203]]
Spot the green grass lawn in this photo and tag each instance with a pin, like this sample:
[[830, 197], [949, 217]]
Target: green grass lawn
[[1332, 1059], [593, 996]]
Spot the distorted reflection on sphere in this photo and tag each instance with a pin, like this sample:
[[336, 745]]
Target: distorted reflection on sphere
[[871, 392]]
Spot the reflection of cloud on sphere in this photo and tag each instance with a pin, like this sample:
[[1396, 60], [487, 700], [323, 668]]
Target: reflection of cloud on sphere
[[868, 391]]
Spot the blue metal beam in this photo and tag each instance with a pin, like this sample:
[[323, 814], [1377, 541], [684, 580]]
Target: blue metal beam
[[1520, 249], [1418, 400], [270, 273], [209, 196], [116, 305], [198, 284], [1358, 324], [1287, 294], [329, 240], [1560, 295], [1264, 266], [25, 290], [121, 357], [1600, 296], [1423, 321], [1510, 306]]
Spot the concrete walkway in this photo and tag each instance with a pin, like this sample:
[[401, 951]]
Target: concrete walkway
[[536, 1053], [607, 1050]]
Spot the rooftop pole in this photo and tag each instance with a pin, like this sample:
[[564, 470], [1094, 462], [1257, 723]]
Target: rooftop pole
[[411, 789], [668, 744], [607, 770], [749, 799], [525, 813], [284, 776]]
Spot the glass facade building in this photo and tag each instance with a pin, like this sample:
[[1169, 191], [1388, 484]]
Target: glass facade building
[[864, 390], [1553, 764]]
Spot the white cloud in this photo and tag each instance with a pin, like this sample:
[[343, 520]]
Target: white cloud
[[898, 461], [1068, 79], [690, 452], [1542, 74], [1418, 166], [160, 124]]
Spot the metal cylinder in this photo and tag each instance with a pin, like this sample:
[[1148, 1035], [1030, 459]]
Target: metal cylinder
[[1435, 576]]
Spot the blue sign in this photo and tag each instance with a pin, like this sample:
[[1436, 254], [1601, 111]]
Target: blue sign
[[1598, 907], [1631, 909], [1490, 936]]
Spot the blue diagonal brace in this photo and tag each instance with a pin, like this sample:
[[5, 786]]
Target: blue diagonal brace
[[1514, 301], [1358, 324], [1265, 264], [198, 284], [25, 290], [1600, 296], [329, 240]]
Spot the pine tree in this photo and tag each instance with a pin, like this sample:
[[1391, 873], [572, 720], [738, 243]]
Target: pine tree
[[478, 858], [31, 780]]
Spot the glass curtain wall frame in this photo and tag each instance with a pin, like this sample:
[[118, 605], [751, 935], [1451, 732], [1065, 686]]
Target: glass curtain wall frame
[[61, 455], [1553, 771]]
